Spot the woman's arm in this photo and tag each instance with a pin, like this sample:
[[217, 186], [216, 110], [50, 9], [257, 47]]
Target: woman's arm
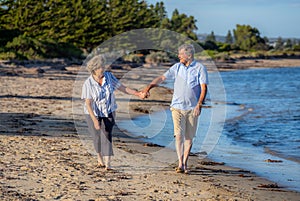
[[130, 91], [88, 103]]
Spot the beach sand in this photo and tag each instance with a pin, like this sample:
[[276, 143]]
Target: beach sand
[[42, 157]]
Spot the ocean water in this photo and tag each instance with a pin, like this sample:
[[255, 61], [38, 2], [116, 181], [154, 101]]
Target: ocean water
[[261, 110]]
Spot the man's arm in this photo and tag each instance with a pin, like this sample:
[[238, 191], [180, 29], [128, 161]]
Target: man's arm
[[203, 94], [197, 110], [157, 81]]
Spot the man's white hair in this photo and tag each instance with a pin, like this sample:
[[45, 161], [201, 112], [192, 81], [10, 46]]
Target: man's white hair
[[189, 49]]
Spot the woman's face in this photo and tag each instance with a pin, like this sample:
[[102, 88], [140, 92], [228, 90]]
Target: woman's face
[[99, 73]]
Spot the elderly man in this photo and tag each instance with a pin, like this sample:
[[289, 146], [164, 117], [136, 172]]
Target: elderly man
[[190, 88]]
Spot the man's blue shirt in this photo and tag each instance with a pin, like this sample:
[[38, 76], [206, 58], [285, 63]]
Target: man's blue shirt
[[187, 84]]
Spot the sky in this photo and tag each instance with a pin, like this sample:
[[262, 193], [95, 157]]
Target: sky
[[273, 18]]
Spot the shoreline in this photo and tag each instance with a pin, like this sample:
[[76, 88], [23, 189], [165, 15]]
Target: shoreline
[[266, 164], [242, 64], [43, 158]]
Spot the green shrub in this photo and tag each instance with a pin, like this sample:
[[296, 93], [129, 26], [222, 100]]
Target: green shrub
[[224, 47], [7, 35], [157, 57], [296, 47], [210, 53], [30, 48], [24, 47], [132, 58], [62, 50], [222, 56], [7, 55], [258, 54]]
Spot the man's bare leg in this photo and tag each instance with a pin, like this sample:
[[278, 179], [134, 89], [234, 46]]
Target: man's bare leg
[[187, 149], [180, 149]]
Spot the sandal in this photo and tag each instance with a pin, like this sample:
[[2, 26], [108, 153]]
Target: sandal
[[100, 166], [179, 170], [109, 169]]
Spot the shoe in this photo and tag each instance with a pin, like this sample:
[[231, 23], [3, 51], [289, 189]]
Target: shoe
[[186, 172], [109, 169], [179, 170], [100, 166]]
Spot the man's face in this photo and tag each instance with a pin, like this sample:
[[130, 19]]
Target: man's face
[[183, 58]]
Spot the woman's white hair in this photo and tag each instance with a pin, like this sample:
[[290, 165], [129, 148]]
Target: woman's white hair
[[95, 63]]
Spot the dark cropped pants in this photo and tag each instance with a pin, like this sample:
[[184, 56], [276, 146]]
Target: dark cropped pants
[[102, 138]]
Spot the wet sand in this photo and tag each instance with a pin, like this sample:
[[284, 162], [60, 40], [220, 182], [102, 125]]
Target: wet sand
[[42, 157]]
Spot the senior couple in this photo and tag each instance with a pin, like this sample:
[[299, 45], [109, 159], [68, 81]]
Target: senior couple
[[190, 88]]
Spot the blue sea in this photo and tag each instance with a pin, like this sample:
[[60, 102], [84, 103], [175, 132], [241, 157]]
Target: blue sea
[[254, 115]]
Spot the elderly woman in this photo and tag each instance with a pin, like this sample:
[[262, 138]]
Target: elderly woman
[[100, 106]]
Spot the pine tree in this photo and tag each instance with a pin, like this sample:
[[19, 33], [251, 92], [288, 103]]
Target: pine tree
[[211, 37], [288, 43], [279, 44], [183, 24], [160, 14], [84, 24], [229, 38], [247, 38]]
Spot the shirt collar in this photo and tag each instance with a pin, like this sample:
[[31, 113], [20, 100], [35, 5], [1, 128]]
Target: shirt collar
[[192, 64], [96, 83]]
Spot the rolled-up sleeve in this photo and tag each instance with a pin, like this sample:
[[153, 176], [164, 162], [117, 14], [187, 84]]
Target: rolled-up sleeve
[[114, 81], [170, 73], [86, 92], [203, 75]]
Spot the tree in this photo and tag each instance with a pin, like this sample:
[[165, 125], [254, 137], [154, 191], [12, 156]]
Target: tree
[[211, 37], [229, 38], [210, 42], [99, 25], [61, 21], [70, 24], [294, 41], [279, 44], [161, 14], [183, 24], [288, 43], [84, 24], [7, 31], [247, 38]]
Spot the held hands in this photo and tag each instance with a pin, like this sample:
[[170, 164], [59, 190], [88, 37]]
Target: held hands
[[142, 94], [145, 95]]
